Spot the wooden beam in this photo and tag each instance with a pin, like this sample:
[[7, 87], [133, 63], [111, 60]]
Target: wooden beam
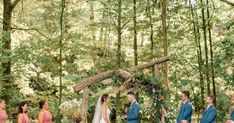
[[108, 74], [93, 80]]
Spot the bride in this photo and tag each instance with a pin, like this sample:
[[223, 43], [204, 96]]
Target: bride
[[102, 113]]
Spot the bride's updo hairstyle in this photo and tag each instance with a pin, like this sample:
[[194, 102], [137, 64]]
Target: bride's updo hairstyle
[[104, 97]]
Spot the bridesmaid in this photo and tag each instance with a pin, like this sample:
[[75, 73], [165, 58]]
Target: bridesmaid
[[22, 114], [44, 116], [3, 114]]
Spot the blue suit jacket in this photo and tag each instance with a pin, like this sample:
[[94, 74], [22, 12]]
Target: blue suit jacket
[[232, 115], [185, 113], [133, 113], [209, 115]]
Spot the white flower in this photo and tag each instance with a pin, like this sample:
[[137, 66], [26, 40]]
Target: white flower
[[26, 91], [229, 70], [72, 104]]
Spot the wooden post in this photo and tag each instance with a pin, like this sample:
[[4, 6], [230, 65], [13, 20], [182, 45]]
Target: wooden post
[[157, 75], [84, 106], [156, 71]]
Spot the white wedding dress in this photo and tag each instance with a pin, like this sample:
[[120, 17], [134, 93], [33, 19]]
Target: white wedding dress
[[98, 117], [108, 112]]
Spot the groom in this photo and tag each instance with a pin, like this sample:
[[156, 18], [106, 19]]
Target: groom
[[134, 109]]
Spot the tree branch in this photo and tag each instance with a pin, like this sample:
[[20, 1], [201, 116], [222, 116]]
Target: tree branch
[[126, 23], [130, 18], [113, 21], [25, 29], [228, 2], [14, 4], [33, 29]]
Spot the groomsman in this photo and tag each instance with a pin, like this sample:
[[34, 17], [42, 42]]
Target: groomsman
[[232, 107], [186, 110], [209, 115], [134, 109], [232, 115]]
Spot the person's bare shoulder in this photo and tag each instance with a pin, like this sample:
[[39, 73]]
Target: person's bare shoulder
[[20, 115], [229, 121]]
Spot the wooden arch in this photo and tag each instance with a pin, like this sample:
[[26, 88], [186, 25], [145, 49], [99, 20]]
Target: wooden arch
[[84, 84]]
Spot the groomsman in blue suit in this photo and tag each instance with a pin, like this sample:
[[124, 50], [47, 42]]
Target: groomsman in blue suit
[[209, 115], [186, 110], [134, 109], [232, 113]]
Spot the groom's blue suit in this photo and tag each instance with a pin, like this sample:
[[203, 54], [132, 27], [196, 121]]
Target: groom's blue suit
[[133, 113]]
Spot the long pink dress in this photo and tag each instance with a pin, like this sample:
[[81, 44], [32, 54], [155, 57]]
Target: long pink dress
[[25, 118], [3, 116], [47, 117]]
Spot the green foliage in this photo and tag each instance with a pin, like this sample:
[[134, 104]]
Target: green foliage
[[35, 52]]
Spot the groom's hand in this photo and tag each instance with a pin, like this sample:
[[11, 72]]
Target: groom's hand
[[126, 110]]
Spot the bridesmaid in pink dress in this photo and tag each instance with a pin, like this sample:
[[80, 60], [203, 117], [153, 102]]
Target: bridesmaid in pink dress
[[3, 114], [22, 114], [44, 116]]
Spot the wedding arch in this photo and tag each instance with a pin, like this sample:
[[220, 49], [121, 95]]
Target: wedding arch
[[86, 83]]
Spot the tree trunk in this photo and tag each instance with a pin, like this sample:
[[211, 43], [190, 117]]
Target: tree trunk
[[60, 56], [206, 48], [135, 34], [200, 62], [91, 17], [165, 42], [199, 53], [61, 51], [119, 27], [151, 28], [135, 39], [102, 28], [7, 85], [151, 37], [142, 38], [211, 54]]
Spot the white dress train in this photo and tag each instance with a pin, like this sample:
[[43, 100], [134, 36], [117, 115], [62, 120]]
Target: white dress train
[[108, 116]]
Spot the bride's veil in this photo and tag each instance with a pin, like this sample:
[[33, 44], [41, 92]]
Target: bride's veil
[[98, 114]]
